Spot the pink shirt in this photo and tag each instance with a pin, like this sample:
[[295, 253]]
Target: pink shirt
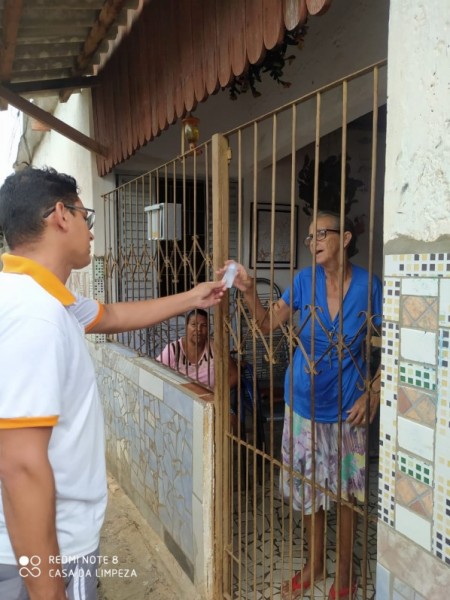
[[174, 357]]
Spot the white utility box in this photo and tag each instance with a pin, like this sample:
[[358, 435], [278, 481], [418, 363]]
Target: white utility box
[[163, 221]]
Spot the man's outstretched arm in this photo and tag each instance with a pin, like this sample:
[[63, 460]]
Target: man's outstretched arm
[[126, 316]]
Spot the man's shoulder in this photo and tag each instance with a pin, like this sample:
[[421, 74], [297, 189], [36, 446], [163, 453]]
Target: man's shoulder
[[24, 302]]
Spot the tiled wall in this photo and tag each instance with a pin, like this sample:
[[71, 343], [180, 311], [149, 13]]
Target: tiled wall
[[414, 491], [159, 447]]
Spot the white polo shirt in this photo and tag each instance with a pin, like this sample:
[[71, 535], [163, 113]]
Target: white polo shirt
[[47, 379]]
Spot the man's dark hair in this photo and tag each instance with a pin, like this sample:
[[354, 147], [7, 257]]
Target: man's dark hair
[[348, 226], [24, 198]]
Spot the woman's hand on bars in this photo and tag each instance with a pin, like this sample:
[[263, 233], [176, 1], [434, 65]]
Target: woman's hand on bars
[[242, 280], [207, 294], [357, 414]]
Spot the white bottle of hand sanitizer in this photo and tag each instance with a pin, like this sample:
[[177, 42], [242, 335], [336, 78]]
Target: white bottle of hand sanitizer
[[230, 274]]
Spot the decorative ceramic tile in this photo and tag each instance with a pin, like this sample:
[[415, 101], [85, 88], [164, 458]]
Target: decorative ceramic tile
[[416, 438], [441, 517], [391, 298], [417, 265], [444, 303], [416, 405], [414, 467], [386, 484], [414, 495], [98, 289], [413, 526], [418, 286], [418, 375], [389, 362], [388, 421], [388, 416], [420, 312], [443, 409], [418, 345], [441, 531]]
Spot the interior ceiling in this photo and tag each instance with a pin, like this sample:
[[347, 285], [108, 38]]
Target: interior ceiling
[[56, 44]]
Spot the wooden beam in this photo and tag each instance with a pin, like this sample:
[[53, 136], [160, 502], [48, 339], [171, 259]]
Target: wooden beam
[[107, 17], [44, 117], [12, 12], [49, 85]]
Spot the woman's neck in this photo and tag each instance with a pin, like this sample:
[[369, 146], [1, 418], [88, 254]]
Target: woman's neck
[[193, 351], [332, 272]]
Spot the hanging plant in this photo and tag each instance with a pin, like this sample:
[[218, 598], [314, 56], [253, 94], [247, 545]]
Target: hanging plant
[[274, 63], [329, 186]]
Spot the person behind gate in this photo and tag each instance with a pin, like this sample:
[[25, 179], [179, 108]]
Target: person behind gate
[[318, 411], [52, 463], [193, 355]]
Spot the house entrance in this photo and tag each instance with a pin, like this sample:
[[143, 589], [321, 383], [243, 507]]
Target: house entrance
[[300, 486], [286, 196]]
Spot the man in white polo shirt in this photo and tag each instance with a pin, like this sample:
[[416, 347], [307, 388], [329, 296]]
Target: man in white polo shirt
[[52, 465]]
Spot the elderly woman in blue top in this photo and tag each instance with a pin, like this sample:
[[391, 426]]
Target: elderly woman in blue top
[[335, 382]]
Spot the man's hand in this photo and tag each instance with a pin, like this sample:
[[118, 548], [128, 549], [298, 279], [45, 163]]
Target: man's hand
[[205, 295]]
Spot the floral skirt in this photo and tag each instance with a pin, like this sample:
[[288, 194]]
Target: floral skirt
[[326, 465]]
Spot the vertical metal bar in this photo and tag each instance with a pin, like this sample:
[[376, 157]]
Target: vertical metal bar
[[254, 414], [369, 320], [341, 278], [240, 433], [311, 550], [220, 199]]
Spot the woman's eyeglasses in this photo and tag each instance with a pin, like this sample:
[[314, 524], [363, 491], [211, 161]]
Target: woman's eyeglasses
[[321, 235], [89, 213]]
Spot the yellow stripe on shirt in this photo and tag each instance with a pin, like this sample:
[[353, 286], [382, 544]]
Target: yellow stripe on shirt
[[22, 422]]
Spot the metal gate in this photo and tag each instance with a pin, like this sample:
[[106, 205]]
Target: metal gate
[[323, 152]]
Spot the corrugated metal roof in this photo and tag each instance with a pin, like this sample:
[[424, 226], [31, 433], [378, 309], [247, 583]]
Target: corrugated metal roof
[[56, 39]]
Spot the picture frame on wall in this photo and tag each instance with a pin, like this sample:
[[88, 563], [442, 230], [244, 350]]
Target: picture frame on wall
[[282, 238]]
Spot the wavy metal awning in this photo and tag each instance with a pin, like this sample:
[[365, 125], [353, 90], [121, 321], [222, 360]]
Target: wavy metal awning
[[177, 53], [55, 47]]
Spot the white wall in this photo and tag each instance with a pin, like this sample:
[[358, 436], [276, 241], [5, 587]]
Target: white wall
[[418, 141], [68, 157]]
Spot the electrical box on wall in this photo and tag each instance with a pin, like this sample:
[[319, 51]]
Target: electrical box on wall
[[163, 221]]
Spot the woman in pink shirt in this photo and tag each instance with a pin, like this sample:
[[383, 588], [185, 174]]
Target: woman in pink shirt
[[193, 354]]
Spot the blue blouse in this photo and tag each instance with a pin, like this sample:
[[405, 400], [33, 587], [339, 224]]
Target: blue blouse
[[326, 331]]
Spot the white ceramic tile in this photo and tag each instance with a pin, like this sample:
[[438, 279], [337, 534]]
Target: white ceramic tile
[[442, 456], [388, 415], [416, 438], [391, 265], [198, 533], [383, 581], [197, 450], [418, 345], [413, 526], [151, 384], [419, 286], [444, 303]]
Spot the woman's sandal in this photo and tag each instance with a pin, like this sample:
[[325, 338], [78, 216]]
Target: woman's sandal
[[344, 593], [297, 587]]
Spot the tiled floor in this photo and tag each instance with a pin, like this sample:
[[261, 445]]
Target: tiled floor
[[265, 553]]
